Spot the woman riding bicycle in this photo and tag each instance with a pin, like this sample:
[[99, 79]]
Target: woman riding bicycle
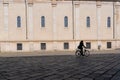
[[81, 45]]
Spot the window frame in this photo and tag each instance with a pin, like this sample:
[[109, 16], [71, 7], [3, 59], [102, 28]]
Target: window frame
[[18, 22], [66, 21], [66, 45], [88, 21], [109, 45], [19, 46], [42, 21], [108, 22], [88, 45], [43, 46]]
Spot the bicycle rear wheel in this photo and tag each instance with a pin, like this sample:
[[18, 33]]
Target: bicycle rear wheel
[[77, 53], [87, 53]]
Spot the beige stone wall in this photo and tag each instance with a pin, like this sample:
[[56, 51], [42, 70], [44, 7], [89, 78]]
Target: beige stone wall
[[106, 11], [15, 33], [2, 32], [40, 33], [64, 33], [54, 34], [85, 32]]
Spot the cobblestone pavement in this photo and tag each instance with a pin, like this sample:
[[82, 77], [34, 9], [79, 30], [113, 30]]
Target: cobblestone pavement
[[61, 67]]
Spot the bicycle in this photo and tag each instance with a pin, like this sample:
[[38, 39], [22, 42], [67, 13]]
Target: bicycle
[[85, 52]]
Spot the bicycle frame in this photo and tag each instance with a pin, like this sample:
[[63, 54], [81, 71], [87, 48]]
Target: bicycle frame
[[85, 52]]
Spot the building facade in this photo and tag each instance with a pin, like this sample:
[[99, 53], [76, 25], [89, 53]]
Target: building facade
[[50, 25]]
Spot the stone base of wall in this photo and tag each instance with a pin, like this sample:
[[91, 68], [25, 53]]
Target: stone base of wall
[[56, 46]]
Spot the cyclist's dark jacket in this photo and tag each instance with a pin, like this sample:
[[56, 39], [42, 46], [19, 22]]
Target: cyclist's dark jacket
[[81, 46]]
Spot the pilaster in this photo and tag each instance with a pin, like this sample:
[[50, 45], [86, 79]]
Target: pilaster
[[116, 23], [54, 4], [98, 15], [6, 16], [77, 19], [30, 21], [5, 1]]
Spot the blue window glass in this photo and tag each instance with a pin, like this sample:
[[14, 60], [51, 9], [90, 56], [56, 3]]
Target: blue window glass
[[88, 21], [66, 21], [108, 22], [42, 21], [18, 21]]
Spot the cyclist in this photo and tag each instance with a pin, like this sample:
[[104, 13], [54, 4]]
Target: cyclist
[[81, 45]]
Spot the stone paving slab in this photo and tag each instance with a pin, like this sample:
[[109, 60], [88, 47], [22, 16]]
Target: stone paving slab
[[61, 67]]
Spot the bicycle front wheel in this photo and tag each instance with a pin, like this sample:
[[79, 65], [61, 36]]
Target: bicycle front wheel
[[87, 53], [77, 53]]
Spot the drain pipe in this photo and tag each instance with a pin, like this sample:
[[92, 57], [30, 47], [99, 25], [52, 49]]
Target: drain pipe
[[26, 19], [73, 18]]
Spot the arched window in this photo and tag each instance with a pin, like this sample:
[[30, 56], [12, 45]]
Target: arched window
[[18, 21], [66, 21], [88, 21], [43, 21], [108, 22]]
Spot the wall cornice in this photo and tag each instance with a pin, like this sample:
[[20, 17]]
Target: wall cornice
[[39, 1]]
